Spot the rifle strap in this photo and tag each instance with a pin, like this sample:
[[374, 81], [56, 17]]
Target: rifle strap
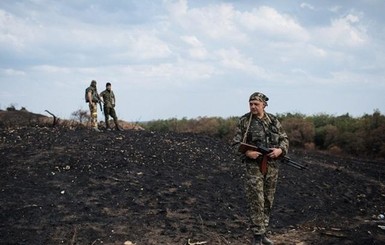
[[247, 129], [263, 166]]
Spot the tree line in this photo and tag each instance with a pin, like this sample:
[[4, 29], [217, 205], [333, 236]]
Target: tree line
[[362, 136], [359, 136]]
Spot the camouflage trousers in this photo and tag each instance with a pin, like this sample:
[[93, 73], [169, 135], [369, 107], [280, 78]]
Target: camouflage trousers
[[260, 192], [94, 115]]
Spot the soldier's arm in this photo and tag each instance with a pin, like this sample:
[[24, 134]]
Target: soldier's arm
[[283, 139], [113, 98], [89, 95], [238, 139]]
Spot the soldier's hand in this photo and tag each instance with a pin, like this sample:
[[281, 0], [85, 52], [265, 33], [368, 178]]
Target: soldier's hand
[[276, 152], [252, 154]]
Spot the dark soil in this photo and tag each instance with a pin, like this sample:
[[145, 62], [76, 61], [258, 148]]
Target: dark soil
[[62, 186]]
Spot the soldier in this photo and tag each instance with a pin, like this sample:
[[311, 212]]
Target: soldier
[[260, 128], [108, 97], [92, 97]]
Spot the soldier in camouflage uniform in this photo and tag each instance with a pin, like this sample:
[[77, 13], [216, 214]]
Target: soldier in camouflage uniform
[[260, 128], [108, 97], [92, 97]]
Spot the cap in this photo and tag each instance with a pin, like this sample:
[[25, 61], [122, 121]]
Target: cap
[[259, 96]]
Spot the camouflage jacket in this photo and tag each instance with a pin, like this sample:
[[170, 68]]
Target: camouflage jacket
[[94, 94], [108, 98], [267, 132]]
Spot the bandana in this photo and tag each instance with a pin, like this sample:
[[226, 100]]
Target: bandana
[[259, 96]]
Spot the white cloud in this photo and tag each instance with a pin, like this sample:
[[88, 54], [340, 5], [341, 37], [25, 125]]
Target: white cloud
[[233, 59], [147, 46], [344, 32], [139, 44], [15, 33], [352, 18], [152, 50], [177, 8], [335, 9], [307, 5], [197, 49], [33, 36], [51, 69], [356, 78], [316, 51], [214, 21], [268, 20], [181, 72], [199, 53], [192, 40], [11, 72]]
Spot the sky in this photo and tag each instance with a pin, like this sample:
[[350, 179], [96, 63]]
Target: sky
[[194, 58]]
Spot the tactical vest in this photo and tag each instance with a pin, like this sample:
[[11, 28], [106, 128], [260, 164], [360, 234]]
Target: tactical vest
[[93, 94], [262, 132]]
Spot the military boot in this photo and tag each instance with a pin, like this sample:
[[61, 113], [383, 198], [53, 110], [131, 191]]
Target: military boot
[[257, 240], [117, 126], [266, 240], [108, 125]]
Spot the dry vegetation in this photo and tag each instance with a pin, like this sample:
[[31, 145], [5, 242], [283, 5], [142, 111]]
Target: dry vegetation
[[361, 136]]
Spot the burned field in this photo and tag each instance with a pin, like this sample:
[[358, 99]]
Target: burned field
[[62, 186]]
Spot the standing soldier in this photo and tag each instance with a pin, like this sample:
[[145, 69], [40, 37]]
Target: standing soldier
[[92, 97], [108, 97], [260, 128]]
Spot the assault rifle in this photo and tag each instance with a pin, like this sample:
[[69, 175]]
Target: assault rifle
[[98, 100], [100, 104], [264, 150]]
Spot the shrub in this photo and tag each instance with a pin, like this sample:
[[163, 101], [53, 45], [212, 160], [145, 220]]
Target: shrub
[[350, 142], [299, 130], [81, 116], [11, 108], [325, 136]]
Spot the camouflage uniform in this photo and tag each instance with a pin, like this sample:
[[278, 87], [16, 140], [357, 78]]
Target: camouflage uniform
[[260, 189], [109, 107], [93, 106]]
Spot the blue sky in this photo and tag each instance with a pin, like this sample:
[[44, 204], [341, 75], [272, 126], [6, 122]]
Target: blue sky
[[185, 58]]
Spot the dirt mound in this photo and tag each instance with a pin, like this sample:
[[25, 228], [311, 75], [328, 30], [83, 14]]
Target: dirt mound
[[62, 186], [22, 118]]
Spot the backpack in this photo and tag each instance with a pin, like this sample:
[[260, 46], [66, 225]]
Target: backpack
[[86, 95], [94, 95]]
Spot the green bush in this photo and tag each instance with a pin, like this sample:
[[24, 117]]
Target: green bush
[[325, 136]]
